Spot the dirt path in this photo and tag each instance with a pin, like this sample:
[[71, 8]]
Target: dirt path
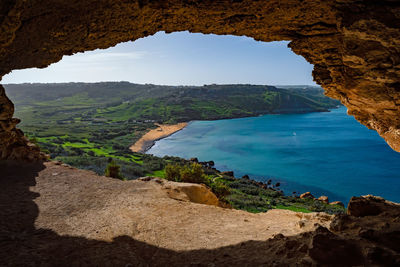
[[148, 140]]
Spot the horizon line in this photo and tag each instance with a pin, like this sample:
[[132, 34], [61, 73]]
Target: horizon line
[[205, 84]]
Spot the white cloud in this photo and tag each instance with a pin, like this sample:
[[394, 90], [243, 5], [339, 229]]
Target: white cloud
[[98, 57]]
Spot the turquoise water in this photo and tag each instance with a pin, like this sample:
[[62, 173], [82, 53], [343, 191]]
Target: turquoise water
[[327, 153]]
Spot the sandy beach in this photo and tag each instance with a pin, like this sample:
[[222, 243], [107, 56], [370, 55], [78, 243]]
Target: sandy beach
[[149, 139]]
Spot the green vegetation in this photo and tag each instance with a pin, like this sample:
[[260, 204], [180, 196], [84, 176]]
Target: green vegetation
[[194, 173], [113, 170], [189, 173], [256, 196], [104, 119], [245, 194], [86, 125]]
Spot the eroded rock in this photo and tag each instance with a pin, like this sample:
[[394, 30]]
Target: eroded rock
[[307, 195], [324, 199], [61, 216], [196, 193], [370, 206], [340, 203], [13, 144]]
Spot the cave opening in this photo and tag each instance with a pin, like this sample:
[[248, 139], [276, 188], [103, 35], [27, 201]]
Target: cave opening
[[56, 217], [76, 116]]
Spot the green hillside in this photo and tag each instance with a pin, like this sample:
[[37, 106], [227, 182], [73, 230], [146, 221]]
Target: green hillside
[[122, 101], [104, 119]]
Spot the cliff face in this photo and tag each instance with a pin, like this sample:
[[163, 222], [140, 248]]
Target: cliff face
[[354, 45], [13, 144]]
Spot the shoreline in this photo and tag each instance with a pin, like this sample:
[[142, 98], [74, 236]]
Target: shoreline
[[148, 140]]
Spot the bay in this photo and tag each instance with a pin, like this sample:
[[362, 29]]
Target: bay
[[327, 153]]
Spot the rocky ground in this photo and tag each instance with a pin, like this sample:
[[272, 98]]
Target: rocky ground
[[56, 215]]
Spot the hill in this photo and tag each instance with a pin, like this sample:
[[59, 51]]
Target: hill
[[122, 101], [107, 118]]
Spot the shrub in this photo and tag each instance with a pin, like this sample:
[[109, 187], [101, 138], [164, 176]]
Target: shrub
[[173, 172], [193, 173], [220, 189], [190, 173], [113, 170]]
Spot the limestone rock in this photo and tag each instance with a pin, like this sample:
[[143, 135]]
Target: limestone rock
[[370, 206], [195, 193], [329, 249], [306, 195], [340, 203], [196, 160], [13, 144], [59, 216], [228, 173], [324, 199]]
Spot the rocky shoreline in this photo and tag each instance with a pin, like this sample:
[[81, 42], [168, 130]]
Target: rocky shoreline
[[209, 167]]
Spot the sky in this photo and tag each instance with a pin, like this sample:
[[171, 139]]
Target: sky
[[180, 58]]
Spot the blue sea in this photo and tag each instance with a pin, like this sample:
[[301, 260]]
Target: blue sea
[[327, 153]]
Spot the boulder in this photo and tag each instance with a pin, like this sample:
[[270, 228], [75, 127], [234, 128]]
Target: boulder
[[371, 205], [228, 173], [245, 177], [329, 249], [194, 160], [363, 206], [264, 186], [324, 199], [307, 195], [340, 203], [196, 193]]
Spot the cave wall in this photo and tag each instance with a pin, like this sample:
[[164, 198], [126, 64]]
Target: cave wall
[[13, 144], [353, 44]]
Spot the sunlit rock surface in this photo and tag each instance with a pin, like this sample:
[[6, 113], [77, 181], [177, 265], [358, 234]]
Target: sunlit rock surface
[[56, 215]]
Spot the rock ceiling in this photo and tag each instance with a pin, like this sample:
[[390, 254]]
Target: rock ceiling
[[354, 45]]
